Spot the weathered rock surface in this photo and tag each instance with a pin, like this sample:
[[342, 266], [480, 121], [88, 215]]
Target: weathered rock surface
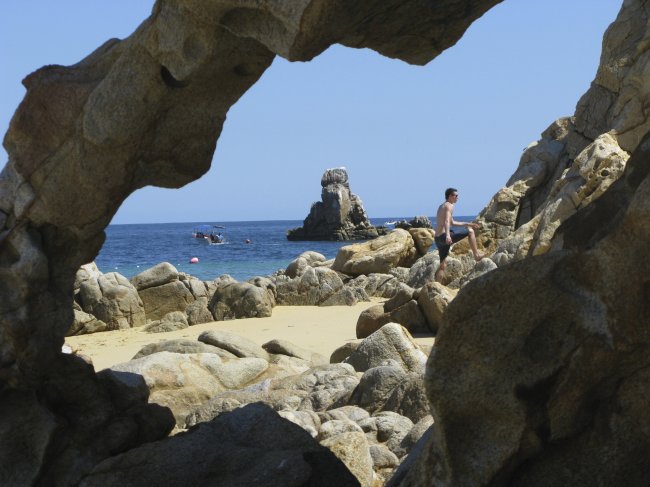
[[182, 382], [370, 320], [233, 343], [240, 300], [402, 308], [175, 320], [551, 404], [299, 265], [166, 298], [353, 450], [112, 299], [565, 357], [338, 216], [318, 286], [390, 342], [85, 323], [285, 347], [158, 275], [433, 301], [377, 285], [86, 272], [229, 451], [380, 255], [182, 346], [423, 239], [198, 312]]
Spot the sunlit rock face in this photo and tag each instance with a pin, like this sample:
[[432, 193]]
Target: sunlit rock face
[[578, 157], [538, 376], [146, 110]]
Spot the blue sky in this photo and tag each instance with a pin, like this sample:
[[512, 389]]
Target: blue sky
[[405, 133]]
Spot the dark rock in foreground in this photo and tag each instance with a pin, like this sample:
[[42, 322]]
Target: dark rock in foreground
[[339, 216], [230, 453]]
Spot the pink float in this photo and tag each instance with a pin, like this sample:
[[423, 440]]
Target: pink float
[[194, 260]]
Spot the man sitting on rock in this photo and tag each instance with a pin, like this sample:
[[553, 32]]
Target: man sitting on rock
[[445, 236]]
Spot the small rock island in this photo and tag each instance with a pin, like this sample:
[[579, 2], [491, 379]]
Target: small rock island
[[339, 215]]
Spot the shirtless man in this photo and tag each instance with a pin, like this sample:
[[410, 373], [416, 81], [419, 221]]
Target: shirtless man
[[445, 236]]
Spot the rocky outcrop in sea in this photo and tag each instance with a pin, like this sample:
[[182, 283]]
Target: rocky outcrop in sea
[[339, 215]]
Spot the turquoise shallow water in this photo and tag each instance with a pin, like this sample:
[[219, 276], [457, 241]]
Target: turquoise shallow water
[[130, 249]]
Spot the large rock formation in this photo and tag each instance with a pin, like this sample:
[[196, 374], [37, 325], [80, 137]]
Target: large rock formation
[[539, 374], [556, 378], [338, 216]]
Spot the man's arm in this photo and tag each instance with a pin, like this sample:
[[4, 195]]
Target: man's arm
[[464, 224]]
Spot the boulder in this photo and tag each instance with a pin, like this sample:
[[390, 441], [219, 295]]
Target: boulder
[[307, 420], [344, 351], [268, 285], [166, 298], [318, 286], [298, 266], [86, 272], [433, 301], [197, 287], [423, 239], [353, 450], [317, 389], [392, 428], [370, 320], [85, 323], [380, 255], [175, 320], [338, 216], [235, 344], [113, 300], [377, 285], [182, 346], [482, 267], [285, 347], [382, 457], [198, 312], [336, 427], [390, 342], [408, 399], [157, 275], [238, 448], [376, 386], [182, 382], [240, 300], [424, 270], [413, 436], [401, 273], [410, 316], [349, 413]]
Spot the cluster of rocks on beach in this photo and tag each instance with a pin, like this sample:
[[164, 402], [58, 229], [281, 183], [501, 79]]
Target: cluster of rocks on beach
[[539, 372]]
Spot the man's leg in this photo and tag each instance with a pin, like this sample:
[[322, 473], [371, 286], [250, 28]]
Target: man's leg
[[440, 273], [473, 245]]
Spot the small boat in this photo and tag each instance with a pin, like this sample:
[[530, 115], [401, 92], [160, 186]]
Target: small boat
[[215, 238], [393, 222], [208, 233]]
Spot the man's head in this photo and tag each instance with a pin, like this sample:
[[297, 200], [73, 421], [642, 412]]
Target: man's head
[[451, 195]]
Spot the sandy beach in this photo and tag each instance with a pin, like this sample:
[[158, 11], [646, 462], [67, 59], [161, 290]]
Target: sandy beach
[[320, 329]]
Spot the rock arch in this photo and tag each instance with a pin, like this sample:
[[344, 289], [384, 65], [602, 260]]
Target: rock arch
[[146, 110], [557, 366]]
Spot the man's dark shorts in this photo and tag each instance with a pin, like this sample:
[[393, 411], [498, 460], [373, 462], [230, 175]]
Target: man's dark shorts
[[441, 243]]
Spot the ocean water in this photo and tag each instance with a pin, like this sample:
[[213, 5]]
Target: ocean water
[[130, 249]]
